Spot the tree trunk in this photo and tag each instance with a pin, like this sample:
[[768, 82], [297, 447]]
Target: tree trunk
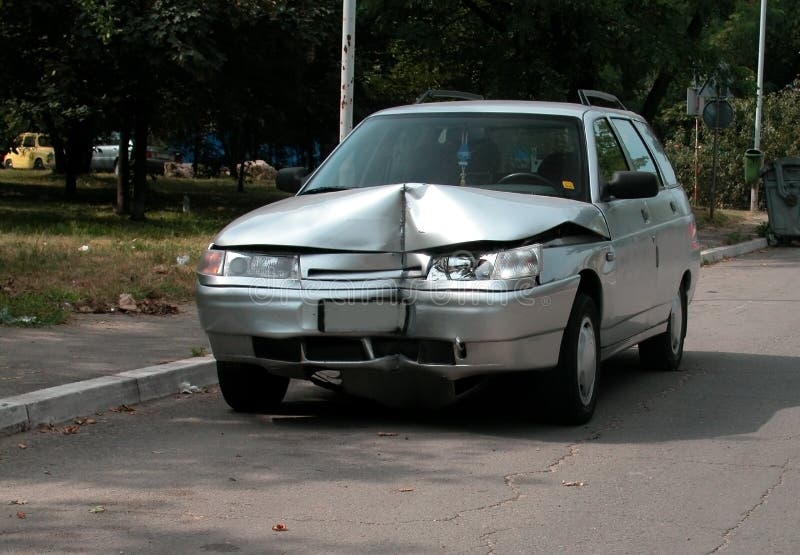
[[124, 169], [71, 183], [665, 76], [240, 176], [58, 144], [196, 160], [139, 165], [78, 154]]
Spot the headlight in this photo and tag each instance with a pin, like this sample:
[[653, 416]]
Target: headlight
[[524, 262], [241, 264]]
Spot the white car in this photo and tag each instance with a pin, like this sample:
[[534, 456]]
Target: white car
[[444, 243], [105, 156]]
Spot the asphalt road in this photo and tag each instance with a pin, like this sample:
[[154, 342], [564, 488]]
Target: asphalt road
[[704, 460]]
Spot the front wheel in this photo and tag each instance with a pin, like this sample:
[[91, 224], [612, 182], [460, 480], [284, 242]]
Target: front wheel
[[9, 165], [576, 378], [665, 351], [250, 388]]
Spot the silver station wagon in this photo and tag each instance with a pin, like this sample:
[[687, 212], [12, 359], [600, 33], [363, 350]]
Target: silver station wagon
[[444, 243]]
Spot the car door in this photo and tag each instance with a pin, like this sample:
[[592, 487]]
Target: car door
[[24, 157], [627, 287], [675, 234]]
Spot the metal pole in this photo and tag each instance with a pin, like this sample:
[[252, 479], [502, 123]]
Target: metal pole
[[696, 156], [759, 97], [348, 67], [716, 157]]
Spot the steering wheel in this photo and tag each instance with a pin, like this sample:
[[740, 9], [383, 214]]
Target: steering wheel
[[526, 178]]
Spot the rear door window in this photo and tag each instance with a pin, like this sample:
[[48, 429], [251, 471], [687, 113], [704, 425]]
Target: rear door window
[[668, 174], [639, 156]]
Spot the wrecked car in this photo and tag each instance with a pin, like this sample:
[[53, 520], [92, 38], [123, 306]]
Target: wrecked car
[[444, 243]]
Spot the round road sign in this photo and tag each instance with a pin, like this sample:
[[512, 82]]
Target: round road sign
[[718, 114]]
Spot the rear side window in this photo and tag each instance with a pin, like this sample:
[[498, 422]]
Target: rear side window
[[44, 140], [670, 179], [637, 151], [610, 157]]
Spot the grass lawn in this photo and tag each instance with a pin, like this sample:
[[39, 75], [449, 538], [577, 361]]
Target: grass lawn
[[58, 255]]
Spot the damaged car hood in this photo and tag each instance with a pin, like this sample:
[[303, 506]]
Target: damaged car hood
[[406, 218]]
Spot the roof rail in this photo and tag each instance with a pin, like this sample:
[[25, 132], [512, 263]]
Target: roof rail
[[436, 93], [606, 100]]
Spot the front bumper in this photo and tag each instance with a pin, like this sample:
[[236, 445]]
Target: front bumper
[[450, 333]]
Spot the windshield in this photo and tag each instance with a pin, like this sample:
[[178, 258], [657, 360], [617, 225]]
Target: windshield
[[529, 154]]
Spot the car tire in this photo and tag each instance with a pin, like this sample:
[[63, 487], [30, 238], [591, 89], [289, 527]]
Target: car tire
[[665, 351], [574, 382], [249, 388], [8, 164], [38, 164]]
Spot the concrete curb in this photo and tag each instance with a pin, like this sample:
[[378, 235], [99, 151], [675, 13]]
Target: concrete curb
[[63, 402], [711, 256]]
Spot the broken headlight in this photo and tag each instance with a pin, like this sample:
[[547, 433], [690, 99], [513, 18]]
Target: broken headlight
[[523, 262]]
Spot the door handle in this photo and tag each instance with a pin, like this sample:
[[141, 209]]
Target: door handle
[[645, 215], [673, 206]]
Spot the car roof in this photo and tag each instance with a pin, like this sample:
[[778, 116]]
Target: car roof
[[504, 107]]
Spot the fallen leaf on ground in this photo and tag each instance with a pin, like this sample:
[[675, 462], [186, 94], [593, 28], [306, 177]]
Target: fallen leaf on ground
[[280, 527], [73, 429], [20, 514], [572, 484], [17, 502], [22, 446], [123, 408], [406, 490], [98, 509], [387, 434]]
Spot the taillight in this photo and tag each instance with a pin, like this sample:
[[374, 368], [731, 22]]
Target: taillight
[[695, 244], [149, 153]]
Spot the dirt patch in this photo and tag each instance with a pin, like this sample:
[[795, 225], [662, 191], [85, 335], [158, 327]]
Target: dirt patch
[[729, 227]]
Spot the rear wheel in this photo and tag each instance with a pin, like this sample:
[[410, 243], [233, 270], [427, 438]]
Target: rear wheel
[[38, 164], [250, 388], [665, 351], [574, 382]]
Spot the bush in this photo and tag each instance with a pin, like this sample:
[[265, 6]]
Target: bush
[[780, 137]]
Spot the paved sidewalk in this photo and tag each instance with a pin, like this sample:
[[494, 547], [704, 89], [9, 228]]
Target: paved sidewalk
[[49, 375], [92, 346]]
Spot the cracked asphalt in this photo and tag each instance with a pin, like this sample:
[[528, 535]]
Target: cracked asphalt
[[703, 461]]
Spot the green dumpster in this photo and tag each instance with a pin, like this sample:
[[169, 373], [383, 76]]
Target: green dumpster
[[753, 160], [782, 193]]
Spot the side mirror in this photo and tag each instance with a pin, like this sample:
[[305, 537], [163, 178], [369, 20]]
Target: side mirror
[[290, 180], [630, 185]]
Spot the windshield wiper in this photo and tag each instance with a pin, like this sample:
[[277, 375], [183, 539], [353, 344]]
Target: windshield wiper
[[324, 190]]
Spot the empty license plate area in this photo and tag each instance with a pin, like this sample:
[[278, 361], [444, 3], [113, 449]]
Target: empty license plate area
[[366, 316]]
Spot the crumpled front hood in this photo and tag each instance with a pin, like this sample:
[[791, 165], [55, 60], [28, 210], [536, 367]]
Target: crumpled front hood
[[406, 218]]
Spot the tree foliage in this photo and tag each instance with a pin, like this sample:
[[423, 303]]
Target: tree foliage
[[266, 72]]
